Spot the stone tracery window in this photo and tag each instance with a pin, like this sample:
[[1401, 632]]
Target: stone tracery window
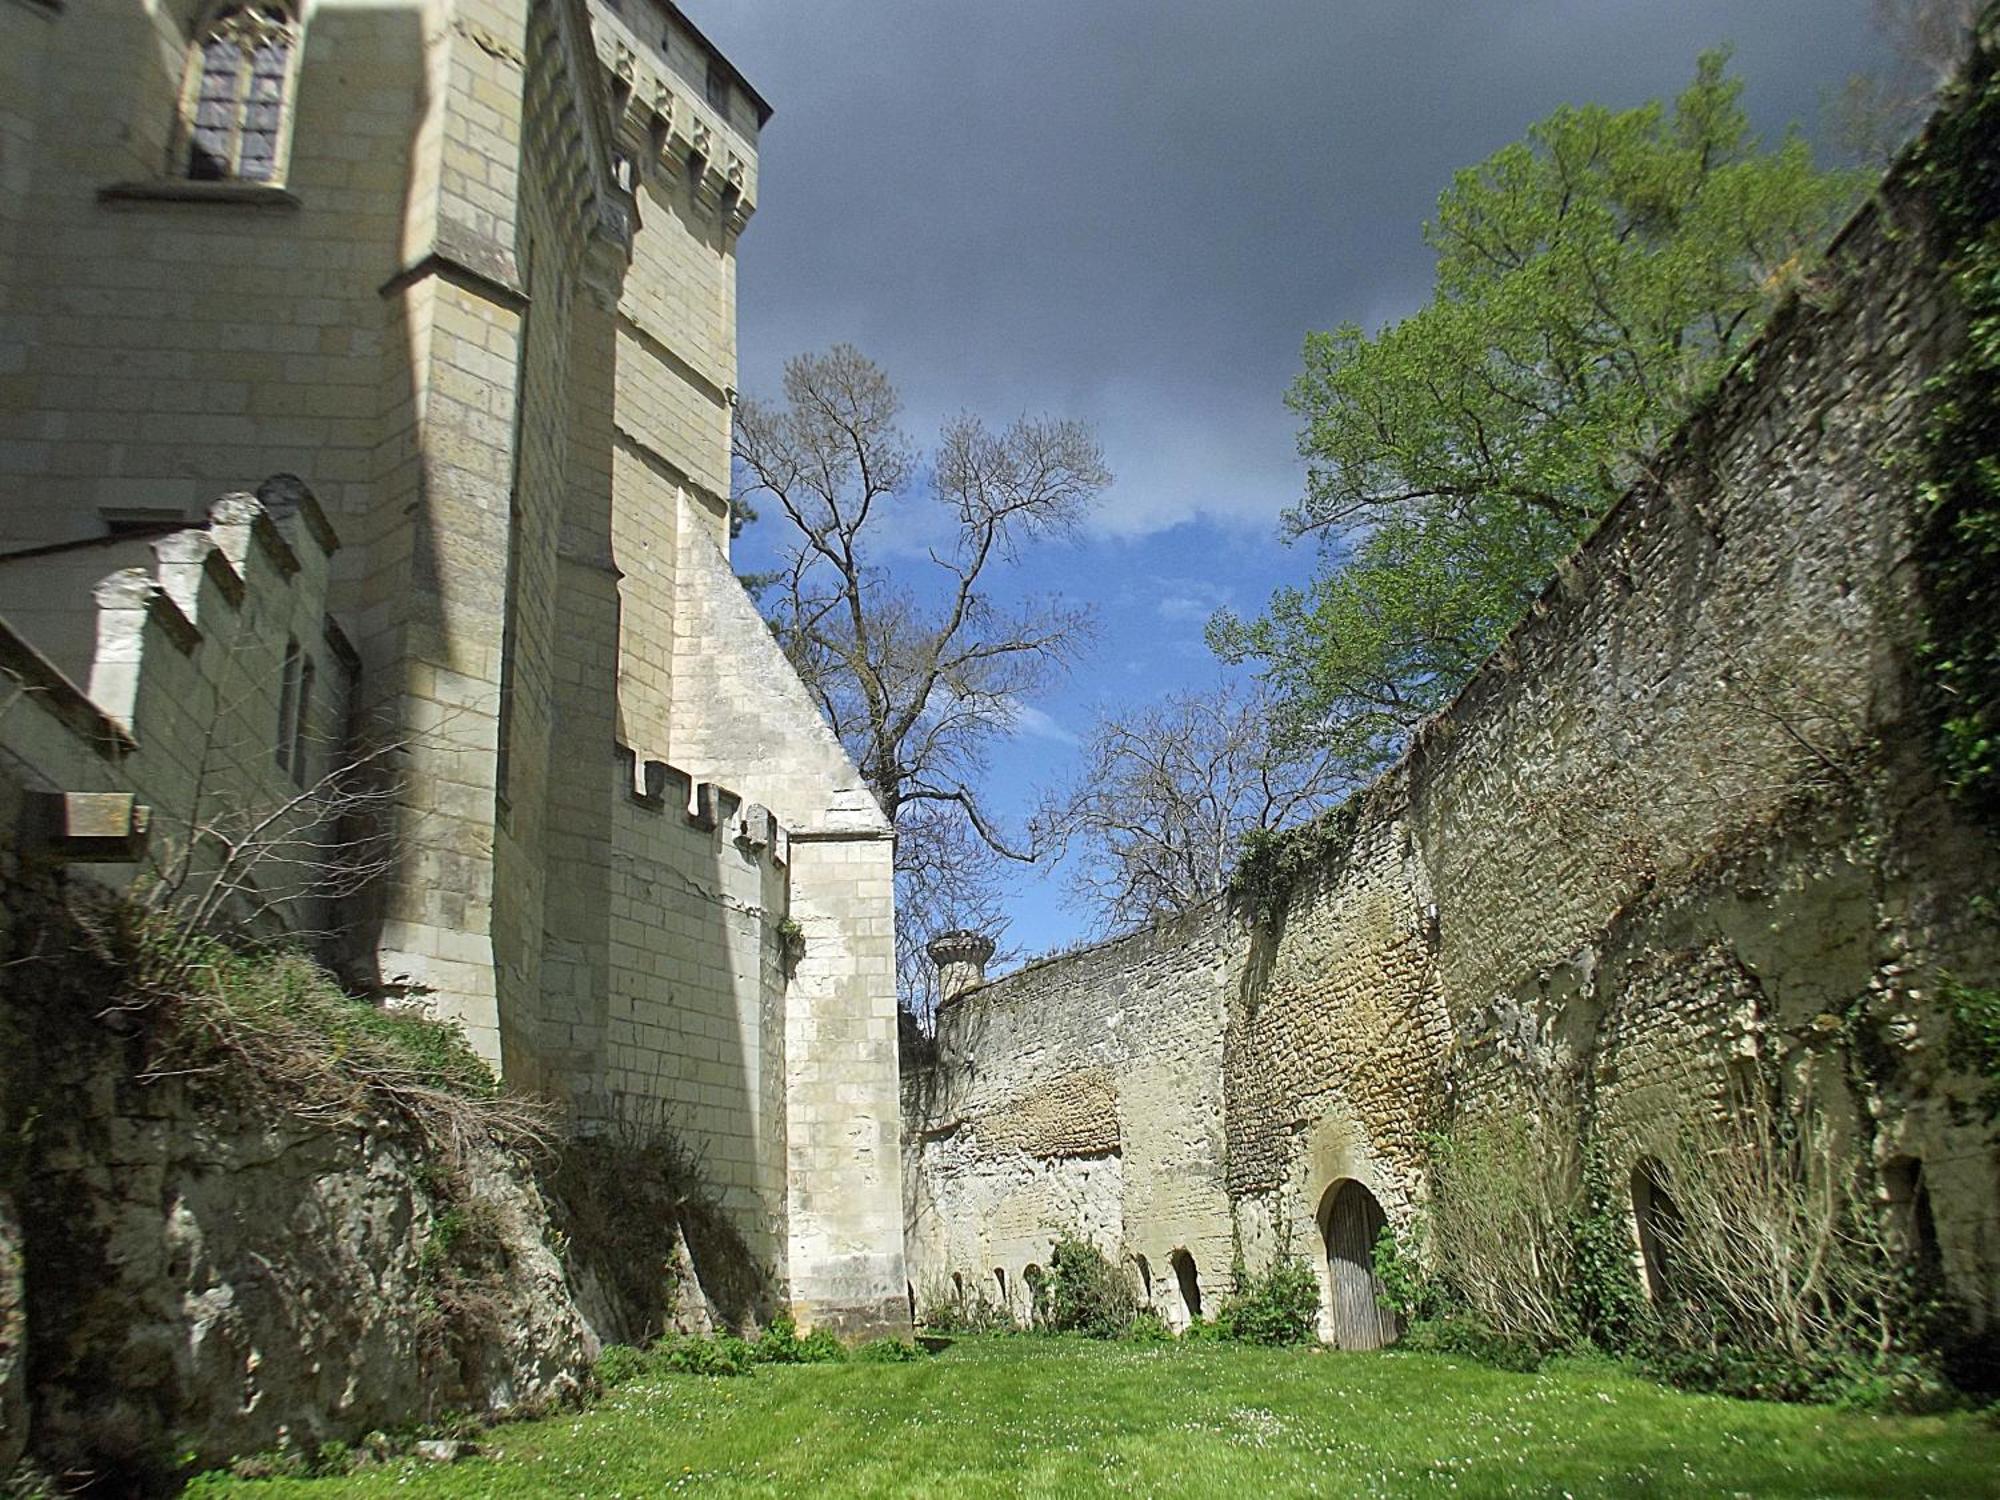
[[236, 103]]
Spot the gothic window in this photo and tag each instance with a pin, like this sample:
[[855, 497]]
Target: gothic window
[[239, 81]]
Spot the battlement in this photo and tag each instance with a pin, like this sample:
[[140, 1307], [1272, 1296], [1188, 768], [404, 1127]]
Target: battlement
[[751, 826], [679, 107], [179, 682]]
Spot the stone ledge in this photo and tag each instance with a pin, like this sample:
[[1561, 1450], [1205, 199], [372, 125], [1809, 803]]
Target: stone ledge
[[185, 190]]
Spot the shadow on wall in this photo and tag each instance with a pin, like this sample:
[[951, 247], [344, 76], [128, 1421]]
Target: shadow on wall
[[658, 998]]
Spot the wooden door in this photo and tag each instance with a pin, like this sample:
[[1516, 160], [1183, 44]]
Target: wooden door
[[1353, 1221]]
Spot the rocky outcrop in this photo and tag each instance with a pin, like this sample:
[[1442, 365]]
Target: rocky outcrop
[[206, 1279]]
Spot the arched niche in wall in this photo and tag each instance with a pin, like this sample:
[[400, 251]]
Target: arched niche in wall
[[1188, 1275], [1656, 1225], [1912, 1224], [1350, 1221], [1145, 1270]]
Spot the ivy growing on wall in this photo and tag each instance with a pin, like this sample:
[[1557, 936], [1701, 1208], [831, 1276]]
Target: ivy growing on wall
[[1959, 548], [1270, 864]]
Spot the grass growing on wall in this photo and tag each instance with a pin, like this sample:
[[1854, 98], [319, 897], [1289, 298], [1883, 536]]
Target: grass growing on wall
[[1077, 1417]]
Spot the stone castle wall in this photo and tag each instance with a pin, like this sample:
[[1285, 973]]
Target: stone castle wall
[[201, 696], [1682, 830], [1082, 1095], [488, 310]]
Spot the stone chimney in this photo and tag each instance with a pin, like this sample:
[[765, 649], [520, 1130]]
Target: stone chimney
[[961, 959]]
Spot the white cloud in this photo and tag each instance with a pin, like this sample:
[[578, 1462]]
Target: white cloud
[[1035, 724]]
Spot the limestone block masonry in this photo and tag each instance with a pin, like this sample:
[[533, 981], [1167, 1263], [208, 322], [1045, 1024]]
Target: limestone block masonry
[[482, 301], [186, 724], [1684, 824]]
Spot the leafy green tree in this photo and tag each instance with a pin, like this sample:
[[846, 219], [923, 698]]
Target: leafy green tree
[[1592, 282]]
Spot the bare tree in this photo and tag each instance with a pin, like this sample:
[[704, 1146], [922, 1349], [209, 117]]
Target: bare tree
[[1874, 113], [919, 668], [1167, 793]]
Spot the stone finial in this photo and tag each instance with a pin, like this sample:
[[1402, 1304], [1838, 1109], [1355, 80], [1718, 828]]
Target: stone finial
[[961, 959]]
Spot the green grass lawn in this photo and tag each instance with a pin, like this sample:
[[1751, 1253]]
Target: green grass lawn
[[1056, 1417]]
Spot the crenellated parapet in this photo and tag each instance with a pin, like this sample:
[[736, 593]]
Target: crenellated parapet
[[667, 131], [185, 701], [752, 827]]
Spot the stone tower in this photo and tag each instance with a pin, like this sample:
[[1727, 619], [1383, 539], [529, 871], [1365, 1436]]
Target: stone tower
[[467, 267]]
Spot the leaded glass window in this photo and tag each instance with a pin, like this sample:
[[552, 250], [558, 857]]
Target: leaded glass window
[[240, 76]]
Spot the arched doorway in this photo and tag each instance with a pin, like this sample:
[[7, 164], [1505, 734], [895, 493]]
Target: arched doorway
[[1351, 1221], [1656, 1223]]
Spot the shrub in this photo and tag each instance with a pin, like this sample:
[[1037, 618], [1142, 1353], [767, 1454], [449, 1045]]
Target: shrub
[[1456, 1334], [781, 1344], [961, 1314], [888, 1352], [1504, 1197], [1279, 1305], [1771, 1253], [1408, 1287], [725, 1355], [1883, 1381], [620, 1363], [636, 1210], [1083, 1292]]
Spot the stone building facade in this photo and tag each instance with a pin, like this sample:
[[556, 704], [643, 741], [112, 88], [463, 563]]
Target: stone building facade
[[1685, 830], [467, 268]]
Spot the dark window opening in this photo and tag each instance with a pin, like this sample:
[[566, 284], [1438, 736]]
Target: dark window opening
[[301, 718], [717, 89], [140, 520], [1912, 1221]]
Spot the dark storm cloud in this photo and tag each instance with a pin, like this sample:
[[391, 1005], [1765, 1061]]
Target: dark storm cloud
[[1132, 210]]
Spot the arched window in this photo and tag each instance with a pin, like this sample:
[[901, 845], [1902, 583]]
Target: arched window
[[236, 104]]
